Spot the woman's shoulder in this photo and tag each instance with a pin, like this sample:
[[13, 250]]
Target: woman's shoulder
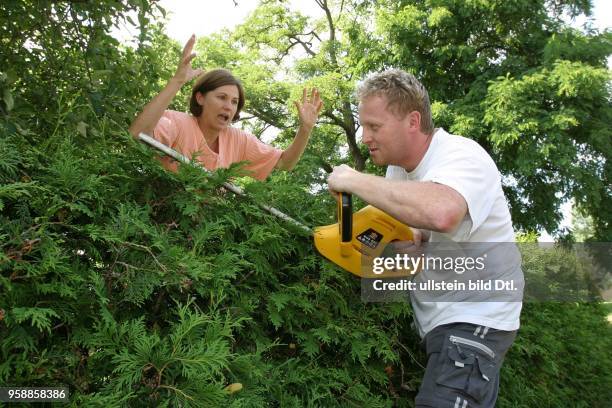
[[184, 122], [177, 116]]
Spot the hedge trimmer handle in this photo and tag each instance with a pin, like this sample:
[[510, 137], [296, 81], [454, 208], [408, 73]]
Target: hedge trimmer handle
[[345, 216]]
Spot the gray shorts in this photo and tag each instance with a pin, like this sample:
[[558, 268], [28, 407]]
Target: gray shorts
[[463, 362]]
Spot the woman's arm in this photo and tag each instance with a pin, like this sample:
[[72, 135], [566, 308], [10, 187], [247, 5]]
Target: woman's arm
[[147, 119], [308, 112]]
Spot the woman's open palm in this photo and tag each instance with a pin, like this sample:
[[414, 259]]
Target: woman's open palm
[[184, 71]]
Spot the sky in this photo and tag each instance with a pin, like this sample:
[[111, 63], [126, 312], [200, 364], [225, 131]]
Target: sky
[[202, 18]]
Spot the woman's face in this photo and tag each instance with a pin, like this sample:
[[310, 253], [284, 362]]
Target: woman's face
[[219, 106]]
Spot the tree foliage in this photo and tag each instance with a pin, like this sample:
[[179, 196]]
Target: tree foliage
[[512, 75]]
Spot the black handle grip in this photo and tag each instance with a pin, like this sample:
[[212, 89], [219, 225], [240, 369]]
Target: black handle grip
[[345, 216]]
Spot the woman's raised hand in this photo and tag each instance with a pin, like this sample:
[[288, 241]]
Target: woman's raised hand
[[309, 109], [184, 72]]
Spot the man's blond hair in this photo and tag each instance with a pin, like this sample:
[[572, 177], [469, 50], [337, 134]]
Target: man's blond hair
[[404, 94]]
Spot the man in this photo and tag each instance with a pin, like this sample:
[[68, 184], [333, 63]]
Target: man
[[449, 190]]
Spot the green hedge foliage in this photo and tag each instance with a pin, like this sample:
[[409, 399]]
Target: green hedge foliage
[[134, 286]]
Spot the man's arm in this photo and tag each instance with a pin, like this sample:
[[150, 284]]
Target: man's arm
[[424, 205]]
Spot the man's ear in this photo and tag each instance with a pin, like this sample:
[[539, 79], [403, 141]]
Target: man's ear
[[414, 120]]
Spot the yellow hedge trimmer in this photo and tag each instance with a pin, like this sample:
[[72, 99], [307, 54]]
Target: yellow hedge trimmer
[[352, 243]]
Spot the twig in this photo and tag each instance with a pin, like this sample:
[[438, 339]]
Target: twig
[[177, 391], [411, 355], [150, 253]]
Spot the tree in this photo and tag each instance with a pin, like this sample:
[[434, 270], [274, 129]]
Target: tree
[[275, 37], [582, 226], [512, 75], [529, 89]]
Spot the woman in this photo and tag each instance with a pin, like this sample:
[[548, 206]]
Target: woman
[[216, 101]]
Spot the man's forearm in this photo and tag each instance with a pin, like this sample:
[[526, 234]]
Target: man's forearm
[[424, 205], [147, 119]]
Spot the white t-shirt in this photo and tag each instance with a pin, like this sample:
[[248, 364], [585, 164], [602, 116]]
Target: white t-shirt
[[465, 166]]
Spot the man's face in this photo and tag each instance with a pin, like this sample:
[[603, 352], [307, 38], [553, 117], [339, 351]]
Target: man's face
[[383, 132]]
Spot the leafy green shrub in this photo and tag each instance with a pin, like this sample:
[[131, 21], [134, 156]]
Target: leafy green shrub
[[136, 286], [133, 285], [561, 358]]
